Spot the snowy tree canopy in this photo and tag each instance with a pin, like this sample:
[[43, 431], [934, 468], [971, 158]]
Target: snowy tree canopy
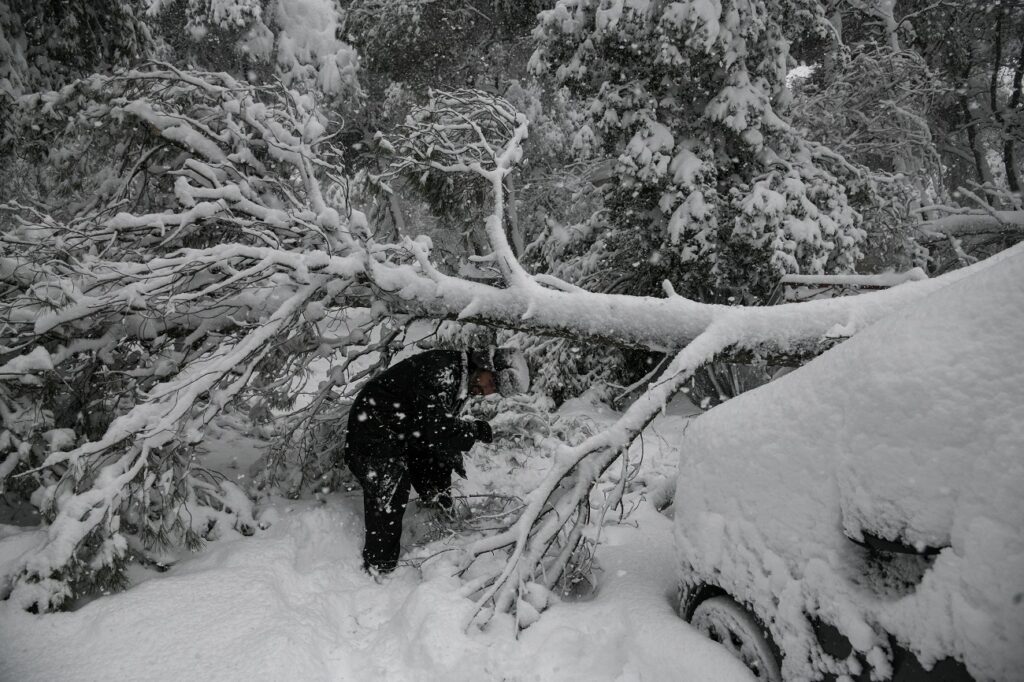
[[713, 186]]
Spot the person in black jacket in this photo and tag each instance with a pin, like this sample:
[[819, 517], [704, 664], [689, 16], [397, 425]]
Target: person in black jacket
[[404, 430]]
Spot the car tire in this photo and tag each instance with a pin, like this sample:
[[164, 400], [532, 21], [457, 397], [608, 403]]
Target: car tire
[[728, 623]]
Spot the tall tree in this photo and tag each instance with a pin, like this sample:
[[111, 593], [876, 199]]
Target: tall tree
[[296, 42], [977, 48], [926, 95], [48, 43], [713, 190]]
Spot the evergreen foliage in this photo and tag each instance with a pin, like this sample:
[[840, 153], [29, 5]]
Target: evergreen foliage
[[46, 43], [713, 190]]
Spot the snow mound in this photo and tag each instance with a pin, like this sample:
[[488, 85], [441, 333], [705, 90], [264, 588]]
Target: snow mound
[[911, 431]]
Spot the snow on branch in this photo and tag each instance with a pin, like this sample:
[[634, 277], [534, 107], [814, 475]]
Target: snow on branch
[[880, 281], [660, 324], [972, 223], [466, 131], [163, 297]]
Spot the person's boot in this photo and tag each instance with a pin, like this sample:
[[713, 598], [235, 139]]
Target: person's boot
[[378, 573]]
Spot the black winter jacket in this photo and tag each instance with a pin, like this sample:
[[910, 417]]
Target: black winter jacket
[[407, 417]]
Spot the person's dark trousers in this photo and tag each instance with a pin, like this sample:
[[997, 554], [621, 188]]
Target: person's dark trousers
[[384, 528], [432, 479], [429, 471], [381, 471], [384, 519]]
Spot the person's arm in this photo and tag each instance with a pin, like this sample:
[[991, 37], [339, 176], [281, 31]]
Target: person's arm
[[420, 404], [447, 438], [437, 429]]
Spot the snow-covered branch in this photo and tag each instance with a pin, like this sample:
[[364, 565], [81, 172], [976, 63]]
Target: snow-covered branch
[[186, 283], [665, 324], [473, 132], [972, 224]]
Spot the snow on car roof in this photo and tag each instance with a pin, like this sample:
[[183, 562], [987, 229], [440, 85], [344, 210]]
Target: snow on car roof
[[912, 430]]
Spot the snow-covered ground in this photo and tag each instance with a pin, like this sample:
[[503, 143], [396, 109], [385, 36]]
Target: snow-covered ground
[[291, 602]]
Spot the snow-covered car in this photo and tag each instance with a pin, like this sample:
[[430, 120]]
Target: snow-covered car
[[863, 517]]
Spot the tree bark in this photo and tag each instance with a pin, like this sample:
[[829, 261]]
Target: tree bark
[[977, 150], [515, 231], [1009, 153], [398, 220]]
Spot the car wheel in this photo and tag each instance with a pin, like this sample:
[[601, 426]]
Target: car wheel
[[726, 622]]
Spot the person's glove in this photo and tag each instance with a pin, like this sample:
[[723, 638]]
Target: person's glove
[[483, 431], [441, 500]]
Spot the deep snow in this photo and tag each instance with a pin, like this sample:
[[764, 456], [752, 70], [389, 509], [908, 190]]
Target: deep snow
[[291, 603]]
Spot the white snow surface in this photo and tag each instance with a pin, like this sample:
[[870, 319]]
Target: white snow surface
[[911, 430], [291, 602]]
